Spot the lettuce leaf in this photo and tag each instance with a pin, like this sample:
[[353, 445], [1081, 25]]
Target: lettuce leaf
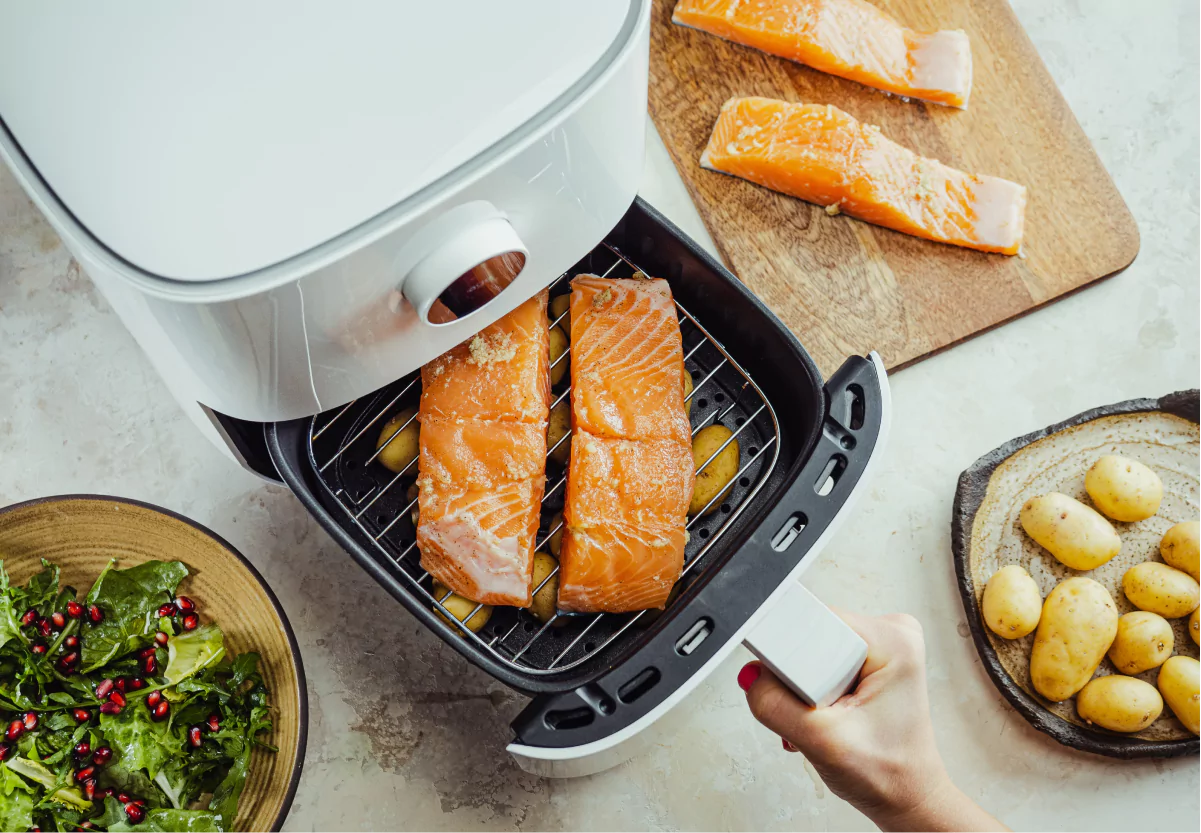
[[130, 600]]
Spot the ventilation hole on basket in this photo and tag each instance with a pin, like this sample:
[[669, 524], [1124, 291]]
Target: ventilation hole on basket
[[694, 636], [754, 451], [856, 407], [704, 533], [530, 627], [725, 508], [565, 719], [589, 647], [696, 374], [719, 397], [739, 422], [830, 474], [380, 519], [744, 482], [702, 403], [640, 684], [789, 532], [350, 464]]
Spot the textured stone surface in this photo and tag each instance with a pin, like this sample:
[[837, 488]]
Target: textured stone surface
[[405, 734]]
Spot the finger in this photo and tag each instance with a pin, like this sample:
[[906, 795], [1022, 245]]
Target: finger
[[775, 706], [890, 638]]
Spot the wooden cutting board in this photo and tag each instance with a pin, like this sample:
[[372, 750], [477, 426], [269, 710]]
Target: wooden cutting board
[[847, 287]]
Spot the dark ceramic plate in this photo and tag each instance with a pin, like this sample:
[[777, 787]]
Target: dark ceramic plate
[[985, 535]]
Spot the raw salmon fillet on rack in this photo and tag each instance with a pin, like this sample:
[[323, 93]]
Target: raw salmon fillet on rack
[[482, 462], [849, 38], [631, 473], [822, 155]]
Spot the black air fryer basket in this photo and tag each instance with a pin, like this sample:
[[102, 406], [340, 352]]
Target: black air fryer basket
[[803, 446]]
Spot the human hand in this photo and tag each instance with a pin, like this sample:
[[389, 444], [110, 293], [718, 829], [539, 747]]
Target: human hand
[[875, 746]]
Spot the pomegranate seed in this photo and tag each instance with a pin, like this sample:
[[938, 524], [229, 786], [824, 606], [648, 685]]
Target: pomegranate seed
[[5, 751], [120, 683], [160, 711], [29, 618], [191, 622], [153, 698], [168, 610], [141, 802], [185, 604], [95, 614], [15, 730], [71, 642], [110, 708], [146, 652], [69, 660], [108, 792], [162, 637], [136, 683], [118, 698], [194, 736], [103, 756], [135, 813], [103, 689], [89, 789], [123, 798], [37, 648], [150, 665], [74, 609], [44, 627], [214, 723], [85, 773], [58, 619], [81, 715], [83, 749], [30, 721]]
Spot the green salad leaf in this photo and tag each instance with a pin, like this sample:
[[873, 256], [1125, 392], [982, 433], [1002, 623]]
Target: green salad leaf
[[140, 743], [130, 600], [191, 651], [16, 801]]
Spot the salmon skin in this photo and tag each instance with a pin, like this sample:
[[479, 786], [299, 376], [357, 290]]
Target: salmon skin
[[849, 38], [631, 473], [482, 461], [825, 156]]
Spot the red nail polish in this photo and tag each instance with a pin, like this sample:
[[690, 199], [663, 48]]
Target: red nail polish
[[747, 676], [788, 747]]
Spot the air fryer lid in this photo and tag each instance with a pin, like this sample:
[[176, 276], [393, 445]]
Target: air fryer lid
[[205, 142]]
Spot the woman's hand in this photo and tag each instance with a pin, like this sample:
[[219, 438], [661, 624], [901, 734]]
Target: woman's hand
[[875, 746]]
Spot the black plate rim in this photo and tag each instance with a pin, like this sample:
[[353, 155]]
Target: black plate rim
[[969, 494]]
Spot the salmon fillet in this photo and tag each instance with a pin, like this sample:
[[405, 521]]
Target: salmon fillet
[[849, 38], [482, 461], [631, 473], [825, 156]]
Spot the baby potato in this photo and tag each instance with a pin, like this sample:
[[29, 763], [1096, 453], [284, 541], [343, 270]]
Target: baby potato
[[687, 392], [1179, 547], [556, 540], [1180, 684], [1078, 624], [1077, 535], [1012, 604], [1143, 642], [461, 608], [558, 427], [1194, 626], [1161, 589], [411, 495], [1123, 489], [545, 600], [558, 346], [401, 450], [717, 478], [559, 305], [1119, 704]]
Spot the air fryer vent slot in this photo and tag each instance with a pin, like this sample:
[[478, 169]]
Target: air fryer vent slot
[[642, 682]]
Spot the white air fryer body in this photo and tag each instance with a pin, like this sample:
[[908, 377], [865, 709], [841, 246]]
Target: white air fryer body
[[201, 257]]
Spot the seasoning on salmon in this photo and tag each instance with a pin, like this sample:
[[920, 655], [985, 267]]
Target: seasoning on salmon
[[484, 410], [631, 473], [852, 39], [825, 156]]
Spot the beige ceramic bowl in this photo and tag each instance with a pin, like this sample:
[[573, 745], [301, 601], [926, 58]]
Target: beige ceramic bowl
[[81, 533]]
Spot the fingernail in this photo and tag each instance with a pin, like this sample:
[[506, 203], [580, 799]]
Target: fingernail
[[788, 747], [747, 676]]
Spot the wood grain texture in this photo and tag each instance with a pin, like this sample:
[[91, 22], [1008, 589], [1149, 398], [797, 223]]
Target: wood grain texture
[[847, 287]]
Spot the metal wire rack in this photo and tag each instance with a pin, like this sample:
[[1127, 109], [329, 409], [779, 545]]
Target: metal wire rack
[[343, 451]]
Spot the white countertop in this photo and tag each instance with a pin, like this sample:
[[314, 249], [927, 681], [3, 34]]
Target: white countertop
[[405, 734]]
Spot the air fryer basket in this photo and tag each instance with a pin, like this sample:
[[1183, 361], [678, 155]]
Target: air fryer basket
[[798, 445]]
